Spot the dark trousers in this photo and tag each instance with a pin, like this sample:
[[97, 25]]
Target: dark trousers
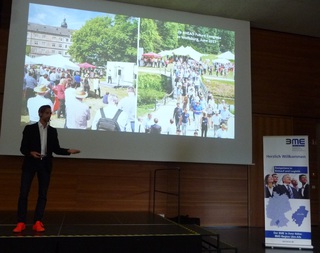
[[177, 122], [41, 168], [204, 130], [62, 108]]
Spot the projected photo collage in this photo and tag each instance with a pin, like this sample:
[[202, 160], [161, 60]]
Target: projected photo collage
[[111, 72]]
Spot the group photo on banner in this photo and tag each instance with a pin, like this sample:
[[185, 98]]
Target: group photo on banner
[[287, 192]]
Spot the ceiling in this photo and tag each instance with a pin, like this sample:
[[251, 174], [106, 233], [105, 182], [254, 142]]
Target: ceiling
[[290, 16]]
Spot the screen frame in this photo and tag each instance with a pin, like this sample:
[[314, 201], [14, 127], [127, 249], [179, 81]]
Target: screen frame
[[134, 146]]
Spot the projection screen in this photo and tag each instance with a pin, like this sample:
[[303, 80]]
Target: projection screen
[[180, 82]]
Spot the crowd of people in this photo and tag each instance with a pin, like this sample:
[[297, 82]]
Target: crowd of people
[[196, 111], [217, 68], [204, 111], [288, 186], [66, 93]]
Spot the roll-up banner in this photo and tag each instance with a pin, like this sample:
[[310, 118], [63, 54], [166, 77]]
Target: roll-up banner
[[287, 192]]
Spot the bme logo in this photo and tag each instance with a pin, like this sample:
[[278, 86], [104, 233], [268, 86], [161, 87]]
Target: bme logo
[[296, 142]]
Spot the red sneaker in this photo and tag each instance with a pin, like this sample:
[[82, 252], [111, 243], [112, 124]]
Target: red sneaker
[[38, 226], [20, 227]]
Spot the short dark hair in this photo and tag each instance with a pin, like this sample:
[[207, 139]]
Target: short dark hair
[[302, 175], [43, 108]]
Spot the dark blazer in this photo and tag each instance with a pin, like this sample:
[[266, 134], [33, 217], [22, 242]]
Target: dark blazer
[[155, 129], [31, 141], [267, 192], [306, 193], [282, 189]]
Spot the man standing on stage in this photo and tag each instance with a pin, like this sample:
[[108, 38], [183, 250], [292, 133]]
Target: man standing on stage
[[38, 143]]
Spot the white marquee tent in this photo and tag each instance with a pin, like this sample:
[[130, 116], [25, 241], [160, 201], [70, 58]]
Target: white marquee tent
[[185, 51], [57, 61], [29, 60], [226, 55]]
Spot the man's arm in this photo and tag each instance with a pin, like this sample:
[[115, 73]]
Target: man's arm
[[73, 151], [55, 146]]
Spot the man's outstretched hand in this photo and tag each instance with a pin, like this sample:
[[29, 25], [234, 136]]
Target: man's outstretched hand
[[73, 151]]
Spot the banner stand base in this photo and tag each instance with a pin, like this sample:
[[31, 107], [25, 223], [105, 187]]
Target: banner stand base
[[299, 247]]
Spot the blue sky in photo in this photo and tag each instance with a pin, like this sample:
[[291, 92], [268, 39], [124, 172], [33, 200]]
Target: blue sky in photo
[[53, 16]]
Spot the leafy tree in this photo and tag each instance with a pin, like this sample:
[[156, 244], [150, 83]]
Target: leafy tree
[[150, 40], [125, 32], [208, 40], [156, 36], [203, 39], [168, 31], [103, 39], [227, 42]]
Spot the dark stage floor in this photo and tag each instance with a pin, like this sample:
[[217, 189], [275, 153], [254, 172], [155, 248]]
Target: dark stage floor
[[118, 232], [96, 224], [96, 232]]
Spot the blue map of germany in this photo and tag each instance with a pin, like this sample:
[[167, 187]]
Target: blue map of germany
[[277, 207]]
